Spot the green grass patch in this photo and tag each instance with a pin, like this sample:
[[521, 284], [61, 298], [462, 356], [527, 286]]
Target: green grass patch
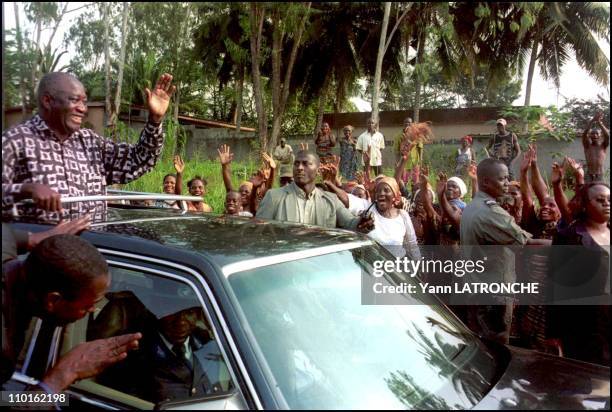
[[210, 170]]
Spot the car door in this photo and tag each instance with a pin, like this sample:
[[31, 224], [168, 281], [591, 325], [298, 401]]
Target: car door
[[165, 302]]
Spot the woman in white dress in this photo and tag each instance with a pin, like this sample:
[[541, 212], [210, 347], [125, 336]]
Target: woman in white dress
[[392, 226]]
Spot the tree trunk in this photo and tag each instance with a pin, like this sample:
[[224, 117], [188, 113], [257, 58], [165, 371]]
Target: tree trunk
[[107, 82], [418, 81], [37, 62], [321, 106], [530, 71], [280, 93], [22, 88], [177, 102], [124, 35], [279, 109], [256, 17], [239, 93], [57, 24], [379, 60], [277, 49]]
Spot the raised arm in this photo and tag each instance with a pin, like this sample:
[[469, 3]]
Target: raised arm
[[516, 146], [489, 146], [585, 134], [401, 165], [179, 166], [427, 202], [453, 215], [537, 182], [604, 130], [525, 186], [225, 157], [123, 162], [577, 171], [329, 174], [269, 169], [556, 178], [473, 178]]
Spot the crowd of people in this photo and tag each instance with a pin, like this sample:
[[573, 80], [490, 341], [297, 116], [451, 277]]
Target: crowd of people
[[51, 156]]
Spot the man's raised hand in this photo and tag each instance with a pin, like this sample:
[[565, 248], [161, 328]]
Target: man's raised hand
[[158, 100], [89, 359]]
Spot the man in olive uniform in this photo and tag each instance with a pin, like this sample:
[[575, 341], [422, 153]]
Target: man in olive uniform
[[485, 222]]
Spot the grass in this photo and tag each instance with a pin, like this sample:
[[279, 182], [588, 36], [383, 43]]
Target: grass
[[210, 170]]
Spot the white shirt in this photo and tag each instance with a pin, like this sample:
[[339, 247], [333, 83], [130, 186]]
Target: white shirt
[[306, 206], [395, 234], [376, 142]]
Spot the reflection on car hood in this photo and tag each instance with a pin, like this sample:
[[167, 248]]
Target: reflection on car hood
[[534, 380]]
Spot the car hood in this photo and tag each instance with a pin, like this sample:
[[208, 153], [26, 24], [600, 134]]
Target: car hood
[[534, 380]]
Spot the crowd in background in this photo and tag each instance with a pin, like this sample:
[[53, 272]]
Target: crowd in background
[[51, 156]]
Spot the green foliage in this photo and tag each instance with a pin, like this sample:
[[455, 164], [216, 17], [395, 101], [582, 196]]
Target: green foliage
[[541, 122], [439, 92], [581, 111]]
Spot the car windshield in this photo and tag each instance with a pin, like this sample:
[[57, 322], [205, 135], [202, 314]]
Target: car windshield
[[324, 349]]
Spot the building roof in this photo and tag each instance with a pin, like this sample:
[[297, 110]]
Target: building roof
[[183, 119], [436, 116]]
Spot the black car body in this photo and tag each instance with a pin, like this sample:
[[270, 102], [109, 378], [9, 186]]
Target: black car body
[[283, 313]]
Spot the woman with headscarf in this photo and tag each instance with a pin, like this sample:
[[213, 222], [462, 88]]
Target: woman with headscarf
[[440, 222], [392, 226], [450, 192], [465, 156], [325, 142], [348, 154]]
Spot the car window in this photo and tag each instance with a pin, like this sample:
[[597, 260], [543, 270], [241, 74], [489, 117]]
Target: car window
[[178, 357], [325, 349]]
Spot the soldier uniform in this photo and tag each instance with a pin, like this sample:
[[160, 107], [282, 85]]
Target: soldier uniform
[[485, 222]]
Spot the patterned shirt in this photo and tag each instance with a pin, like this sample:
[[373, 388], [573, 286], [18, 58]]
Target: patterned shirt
[[82, 165]]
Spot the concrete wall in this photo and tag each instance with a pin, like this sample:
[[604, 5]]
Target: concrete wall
[[203, 143]]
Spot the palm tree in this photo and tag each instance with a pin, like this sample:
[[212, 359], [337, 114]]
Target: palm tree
[[341, 51], [562, 28]]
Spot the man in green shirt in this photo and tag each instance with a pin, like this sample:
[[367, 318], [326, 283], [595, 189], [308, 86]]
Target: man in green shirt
[[302, 202]]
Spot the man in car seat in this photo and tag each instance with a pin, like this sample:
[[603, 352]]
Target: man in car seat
[[179, 359]]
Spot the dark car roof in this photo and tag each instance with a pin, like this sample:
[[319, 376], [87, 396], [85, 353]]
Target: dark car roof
[[225, 240]]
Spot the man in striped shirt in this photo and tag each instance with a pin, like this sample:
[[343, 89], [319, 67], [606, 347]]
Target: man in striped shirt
[[50, 156]]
